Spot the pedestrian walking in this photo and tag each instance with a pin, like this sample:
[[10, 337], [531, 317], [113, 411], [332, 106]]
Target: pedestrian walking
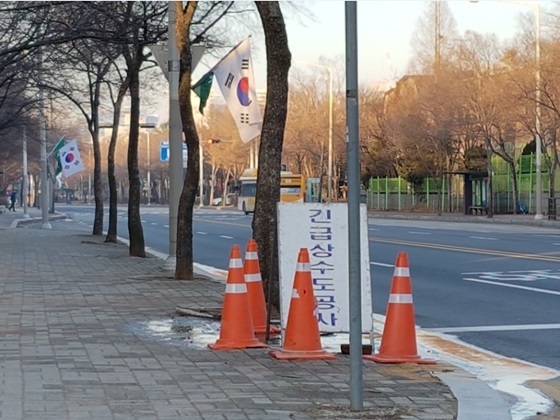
[[13, 198]]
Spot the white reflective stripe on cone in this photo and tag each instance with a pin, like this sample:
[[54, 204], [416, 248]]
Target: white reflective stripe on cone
[[394, 298], [251, 256], [250, 278], [236, 288], [402, 272], [295, 293], [303, 267], [235, 263]]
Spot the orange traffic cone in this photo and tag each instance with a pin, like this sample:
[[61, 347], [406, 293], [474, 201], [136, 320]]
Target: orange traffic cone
[[255, 290], [301, 338], [398, 343], [236, 331]]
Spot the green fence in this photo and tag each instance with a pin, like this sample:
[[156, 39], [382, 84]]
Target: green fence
[[398, 194]]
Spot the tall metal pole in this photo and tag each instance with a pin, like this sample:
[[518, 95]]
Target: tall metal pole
[[330, 157], [201, 174], [148, 163], [175, 137], [25, 192], [353, 176], [43, 140], [538, 140]]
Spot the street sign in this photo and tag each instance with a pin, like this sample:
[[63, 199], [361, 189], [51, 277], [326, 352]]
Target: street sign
[[161, 54], [164, 152], [322, 228]]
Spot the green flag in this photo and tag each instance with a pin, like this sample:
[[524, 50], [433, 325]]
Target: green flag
[[202, 89], [54, 152]]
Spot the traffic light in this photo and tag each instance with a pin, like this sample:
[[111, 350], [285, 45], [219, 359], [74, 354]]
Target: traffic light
[[213, 141]]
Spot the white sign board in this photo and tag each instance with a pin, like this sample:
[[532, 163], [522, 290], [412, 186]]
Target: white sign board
[[322, 228]]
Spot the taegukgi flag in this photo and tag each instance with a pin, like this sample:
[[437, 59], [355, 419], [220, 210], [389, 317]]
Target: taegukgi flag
[[234, 74], [70, 159]]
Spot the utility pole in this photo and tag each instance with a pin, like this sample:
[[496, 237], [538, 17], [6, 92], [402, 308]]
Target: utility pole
[[175, 137], [25, 188], [43, 139], [353, 176]]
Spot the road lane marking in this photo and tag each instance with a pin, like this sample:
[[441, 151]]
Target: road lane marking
[[226, 237], [220, 222], [202, 233], [515, 286], [483, 238], [494, 328], [153, 224], [166, 226], [382, 264], [454, 248], [420, 233]]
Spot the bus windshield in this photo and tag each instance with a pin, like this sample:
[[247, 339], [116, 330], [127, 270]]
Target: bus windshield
[[248, 189]]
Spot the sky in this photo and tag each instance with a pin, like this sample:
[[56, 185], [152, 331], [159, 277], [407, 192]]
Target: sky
[[385, 28]]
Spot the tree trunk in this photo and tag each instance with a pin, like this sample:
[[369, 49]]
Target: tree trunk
[[113, 197], [490, 193], [97, 181], [184, 266], [213, 171], [135, 231], [97, 186], [511, 165], [278, 61]]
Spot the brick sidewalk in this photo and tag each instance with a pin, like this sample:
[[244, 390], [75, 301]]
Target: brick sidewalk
[[75, 346]]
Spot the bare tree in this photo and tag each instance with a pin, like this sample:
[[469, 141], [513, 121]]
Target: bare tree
[[434, 38]]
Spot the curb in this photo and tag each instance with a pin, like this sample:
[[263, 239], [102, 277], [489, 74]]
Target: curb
[[16, 222], [467, 219]]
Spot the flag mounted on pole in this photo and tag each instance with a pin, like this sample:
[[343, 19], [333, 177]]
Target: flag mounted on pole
[[202, 88], [55, 151], [70, 159], [234, 74]]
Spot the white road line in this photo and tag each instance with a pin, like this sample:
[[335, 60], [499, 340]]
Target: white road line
[[143, 221], [202, 233], [515, 286], [226, 237], [492, 328], [420, 233], [483, 238], [166, 226], [556, 243], [382, 264], [153, 224], [372, 229]]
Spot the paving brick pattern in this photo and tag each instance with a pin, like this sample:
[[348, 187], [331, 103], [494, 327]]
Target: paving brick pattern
[[69, 348]]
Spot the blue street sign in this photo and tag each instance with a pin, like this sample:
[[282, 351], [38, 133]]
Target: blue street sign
[[164, 152]]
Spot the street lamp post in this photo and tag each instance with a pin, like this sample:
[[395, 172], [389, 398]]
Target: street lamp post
[[330, 146], [149, 125], [25, 185], [43, 139]]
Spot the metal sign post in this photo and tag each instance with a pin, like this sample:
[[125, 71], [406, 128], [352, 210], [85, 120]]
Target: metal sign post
[[353, 176]]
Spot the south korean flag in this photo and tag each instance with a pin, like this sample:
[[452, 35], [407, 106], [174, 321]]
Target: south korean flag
[[234, 74], [70, 159]]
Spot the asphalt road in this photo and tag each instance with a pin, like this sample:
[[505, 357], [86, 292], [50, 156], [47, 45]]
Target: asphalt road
[[493, 286]]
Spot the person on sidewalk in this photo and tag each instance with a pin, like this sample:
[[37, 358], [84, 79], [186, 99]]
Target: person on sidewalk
[[13, 198]]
